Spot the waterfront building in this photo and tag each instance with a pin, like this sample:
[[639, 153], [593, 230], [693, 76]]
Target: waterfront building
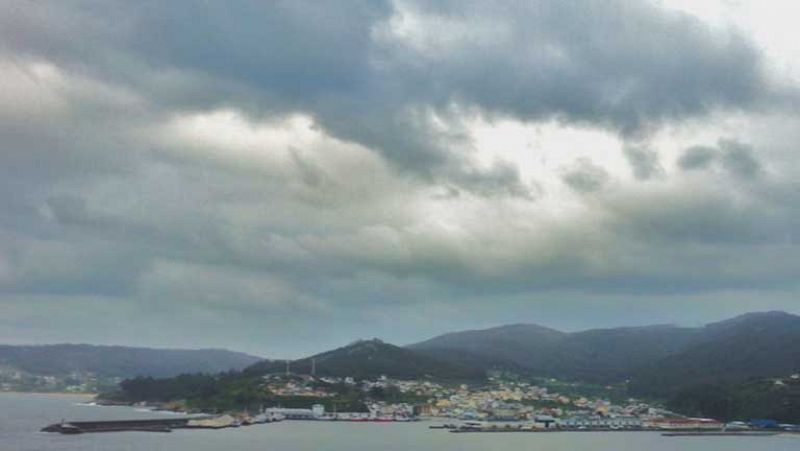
[[293, 413], [602, 422], [678, 424]]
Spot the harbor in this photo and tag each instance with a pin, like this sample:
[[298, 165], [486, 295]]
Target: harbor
[[228, 421], [499, 406], [32, 412]]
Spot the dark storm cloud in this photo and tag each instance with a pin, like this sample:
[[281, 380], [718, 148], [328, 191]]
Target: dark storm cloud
[[621, 64]]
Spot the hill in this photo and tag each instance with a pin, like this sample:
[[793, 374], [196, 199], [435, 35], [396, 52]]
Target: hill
[[515, 347], [236, 390], [755, 345], [118, 361], [614, 355], [369, 359], [732, 363], [601, 355], [775, 398], [658, 360]]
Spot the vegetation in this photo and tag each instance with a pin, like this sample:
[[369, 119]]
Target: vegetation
[[653, 361], [247, 389], [600, 356], [757, 398], [726, 354], [711, 401], [239, 391], [720, 370], [223, 392], [370, 359]]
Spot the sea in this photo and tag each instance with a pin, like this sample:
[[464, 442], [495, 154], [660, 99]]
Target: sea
[[22, 415]]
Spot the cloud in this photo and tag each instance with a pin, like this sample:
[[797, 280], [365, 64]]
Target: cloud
[[697, 157], [644, 162], [304, 169], [733, 156], [67, 209], [738, 159], [585, 177], [386, 74], [612, 63], [501, 179]]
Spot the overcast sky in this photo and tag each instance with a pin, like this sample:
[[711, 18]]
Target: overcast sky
[[285, 177]]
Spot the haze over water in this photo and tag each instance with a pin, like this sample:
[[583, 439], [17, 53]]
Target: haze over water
[[22, 415]]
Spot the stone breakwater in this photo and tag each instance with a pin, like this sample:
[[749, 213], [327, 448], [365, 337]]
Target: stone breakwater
[[152, 425]]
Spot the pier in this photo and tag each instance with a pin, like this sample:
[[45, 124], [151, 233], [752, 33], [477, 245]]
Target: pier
[[161, 424], [154, 425], [721, 434]]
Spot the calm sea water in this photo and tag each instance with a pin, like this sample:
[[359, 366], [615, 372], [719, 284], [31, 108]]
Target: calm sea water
[[22, 415]]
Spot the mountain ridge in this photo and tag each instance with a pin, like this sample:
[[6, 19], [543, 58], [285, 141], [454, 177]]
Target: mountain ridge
[[119, 361], [754, 345], [662, 362], [638, 353], [654, 360]]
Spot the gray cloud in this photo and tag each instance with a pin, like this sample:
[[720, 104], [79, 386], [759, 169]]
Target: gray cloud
[[738, 158], [67, 209], [644, 162], [697, 157], [151, 173], [622, 64], [733, 156], [585, 176], [502, 179]]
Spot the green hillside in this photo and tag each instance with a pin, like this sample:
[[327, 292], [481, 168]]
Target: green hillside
[[369, 359]]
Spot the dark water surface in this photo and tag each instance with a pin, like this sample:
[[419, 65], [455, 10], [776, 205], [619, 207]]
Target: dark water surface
[[22, 415]]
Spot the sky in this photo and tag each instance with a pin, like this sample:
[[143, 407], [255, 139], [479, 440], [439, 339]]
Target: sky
[[285, 177]]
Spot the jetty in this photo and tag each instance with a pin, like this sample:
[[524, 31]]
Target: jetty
[[150, 425], [163, 424], [721, 434]]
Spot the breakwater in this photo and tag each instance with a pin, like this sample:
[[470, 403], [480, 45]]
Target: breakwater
[[151, 425]]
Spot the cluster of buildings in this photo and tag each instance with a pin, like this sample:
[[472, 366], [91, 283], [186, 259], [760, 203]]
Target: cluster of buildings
[[297, 386], [12, 379], [498, 401], [521, 401], [376, 412]]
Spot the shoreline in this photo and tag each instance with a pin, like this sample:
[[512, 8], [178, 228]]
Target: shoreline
[[161, 408]]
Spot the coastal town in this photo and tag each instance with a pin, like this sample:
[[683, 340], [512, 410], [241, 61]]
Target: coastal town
[[500, 401], [500, 405]]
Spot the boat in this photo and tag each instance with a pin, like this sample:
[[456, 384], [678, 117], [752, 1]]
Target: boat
[[443, 426]]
